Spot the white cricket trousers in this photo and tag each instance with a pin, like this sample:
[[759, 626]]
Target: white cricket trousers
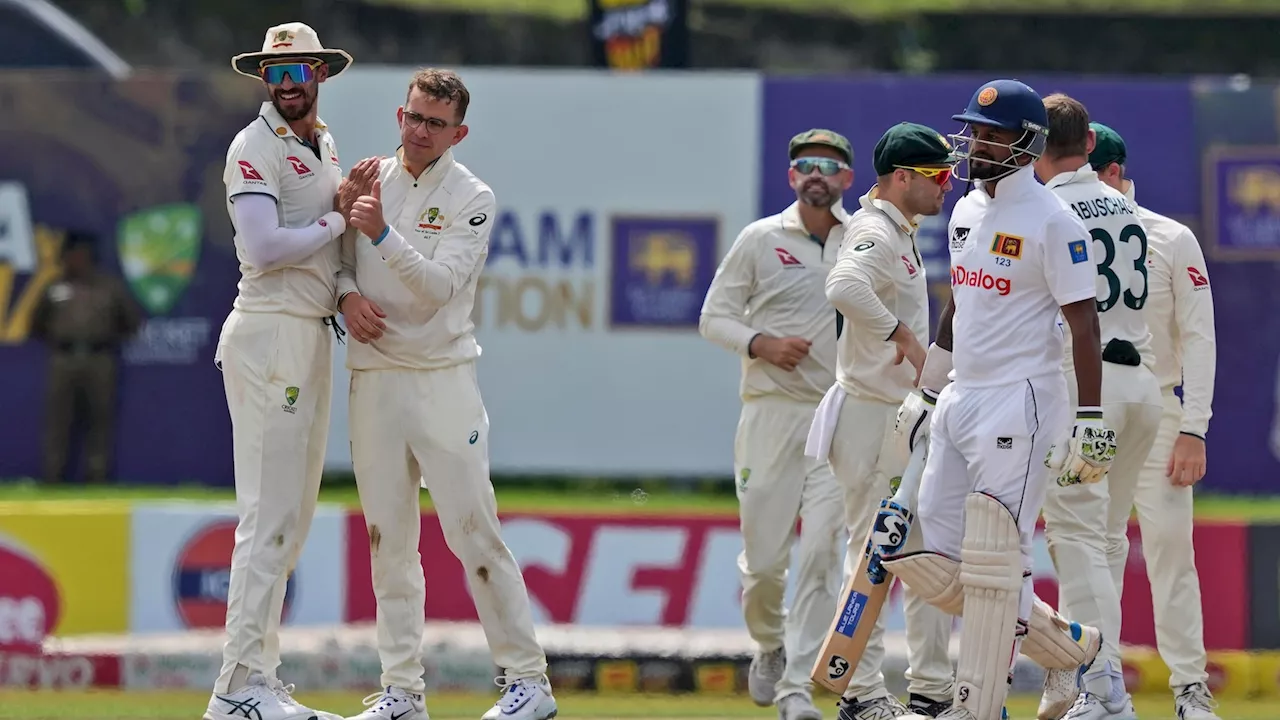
[[276, 370], [1086, 526], [429, 428], [865, 458], [1165, 518], [776, 485], [991, 440]]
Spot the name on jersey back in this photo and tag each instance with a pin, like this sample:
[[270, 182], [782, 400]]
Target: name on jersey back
[[1100, 207]]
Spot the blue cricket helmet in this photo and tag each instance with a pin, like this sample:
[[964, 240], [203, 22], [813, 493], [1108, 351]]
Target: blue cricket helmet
[[1009, 105]]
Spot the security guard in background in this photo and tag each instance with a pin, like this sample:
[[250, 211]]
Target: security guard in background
[[83, 318]]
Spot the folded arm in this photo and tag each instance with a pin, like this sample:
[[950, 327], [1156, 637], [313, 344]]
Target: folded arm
[[437, 279], [267, 246], [724, 312]]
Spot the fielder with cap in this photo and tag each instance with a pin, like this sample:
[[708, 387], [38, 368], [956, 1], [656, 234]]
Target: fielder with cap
[[275, 352], [1086, 524], [1019, 257], [766, 305], [879, 288], [1179, 313]]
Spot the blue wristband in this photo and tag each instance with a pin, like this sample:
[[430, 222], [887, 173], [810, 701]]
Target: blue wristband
[[383, 236]]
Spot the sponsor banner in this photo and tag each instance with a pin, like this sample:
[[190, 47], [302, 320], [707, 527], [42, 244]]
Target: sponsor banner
[[58, 671], [180, 560], [681, 571], [1242, 187], [147, 180], [588, 305], [639, 34], [50, 583]]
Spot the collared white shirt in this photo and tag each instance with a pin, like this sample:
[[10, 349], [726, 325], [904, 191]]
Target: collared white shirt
[[1120, 252], [878, 281], [1179, 313], [772, 282], [267, 158], [1016, 259], [424, 272]]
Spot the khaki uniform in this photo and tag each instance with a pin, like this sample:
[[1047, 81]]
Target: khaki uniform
[[83, 322]]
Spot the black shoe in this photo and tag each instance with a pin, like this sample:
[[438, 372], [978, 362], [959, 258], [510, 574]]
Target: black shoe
[[921, 705]]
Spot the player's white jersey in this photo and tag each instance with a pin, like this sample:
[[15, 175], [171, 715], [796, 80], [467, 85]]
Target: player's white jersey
[[1120, 252], [1015, 260], [267, 158], [878, 282], [771, 282]]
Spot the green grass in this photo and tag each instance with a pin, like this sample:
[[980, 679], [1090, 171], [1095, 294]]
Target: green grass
[[577, 9], [103, 705], [617, 498]]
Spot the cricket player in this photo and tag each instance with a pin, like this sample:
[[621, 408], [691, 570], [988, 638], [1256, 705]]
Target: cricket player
[[406, 290], [282, 178], [767, 305], [1087, 524], [1019, 257], [879, 287], [1179, 313]]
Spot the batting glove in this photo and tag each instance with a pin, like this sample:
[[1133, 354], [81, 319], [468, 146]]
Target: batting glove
[[912, 426], [1087, 455]]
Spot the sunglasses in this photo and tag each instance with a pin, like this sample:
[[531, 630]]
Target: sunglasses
[[299, 72], [825, 166], [939, 175]]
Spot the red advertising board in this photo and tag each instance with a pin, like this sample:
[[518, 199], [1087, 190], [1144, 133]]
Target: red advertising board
[[681, 571]]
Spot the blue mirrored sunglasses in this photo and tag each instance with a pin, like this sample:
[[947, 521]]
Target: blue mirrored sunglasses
[[826, 166], [299, 72]]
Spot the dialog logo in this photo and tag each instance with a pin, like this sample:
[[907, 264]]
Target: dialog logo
[[29, 599], [202, 577]]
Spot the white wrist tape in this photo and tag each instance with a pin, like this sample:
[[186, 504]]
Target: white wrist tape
[[937, 366]]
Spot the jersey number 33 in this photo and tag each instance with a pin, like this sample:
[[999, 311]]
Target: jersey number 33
[[1128, 259]]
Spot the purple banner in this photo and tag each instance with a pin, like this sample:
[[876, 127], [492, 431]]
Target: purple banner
[[1243, 193], [140, 164], [1158, 120], [661, 269]]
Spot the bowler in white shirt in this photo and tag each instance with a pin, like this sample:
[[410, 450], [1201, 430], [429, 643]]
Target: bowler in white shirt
[[406, 289]]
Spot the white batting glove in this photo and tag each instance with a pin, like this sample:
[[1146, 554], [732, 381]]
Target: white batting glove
[[1085, 457], [912, 426]]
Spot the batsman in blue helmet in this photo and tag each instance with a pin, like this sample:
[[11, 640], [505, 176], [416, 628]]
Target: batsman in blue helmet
[[1020, 259]]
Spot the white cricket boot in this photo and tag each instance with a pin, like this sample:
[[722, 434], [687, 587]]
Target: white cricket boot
[[881, 708], [262, 698], [1062, 687], [798, 706], [1092, 707], [1195, 702], [523, 699], [764, 674], [394, 704]]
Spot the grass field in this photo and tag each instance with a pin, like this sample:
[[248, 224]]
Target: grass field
[[517, 499], [189, 705]]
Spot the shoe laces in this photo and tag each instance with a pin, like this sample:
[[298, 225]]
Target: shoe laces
[[774, 662], [1084, 701], [283, 692], [381, 700], [1198, 697], [515, 693]]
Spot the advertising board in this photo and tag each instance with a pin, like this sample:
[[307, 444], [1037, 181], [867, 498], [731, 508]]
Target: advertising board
[[180, 565], [617, 196]]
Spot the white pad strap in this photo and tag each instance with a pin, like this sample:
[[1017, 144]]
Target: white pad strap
[[991, 573], [937, 366], [932, 577], [1054, 642]]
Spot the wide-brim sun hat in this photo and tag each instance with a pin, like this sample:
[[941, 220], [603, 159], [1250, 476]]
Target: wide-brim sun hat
[[291, 40]]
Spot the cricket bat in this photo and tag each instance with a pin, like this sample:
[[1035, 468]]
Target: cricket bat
[[867, 589]]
